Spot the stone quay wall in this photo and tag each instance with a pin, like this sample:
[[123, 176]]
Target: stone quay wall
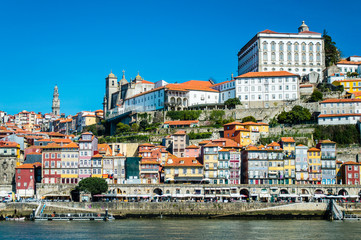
[[176, 209]]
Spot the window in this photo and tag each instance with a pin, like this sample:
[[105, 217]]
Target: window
[[281, 56], [281, 46], [289, 56]]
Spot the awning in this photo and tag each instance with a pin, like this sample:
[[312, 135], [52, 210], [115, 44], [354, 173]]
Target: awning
[[264, 195], [209, 195], [319, 196], [288, 195]]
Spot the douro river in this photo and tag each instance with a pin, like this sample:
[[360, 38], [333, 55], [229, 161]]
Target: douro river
[[181, 229]]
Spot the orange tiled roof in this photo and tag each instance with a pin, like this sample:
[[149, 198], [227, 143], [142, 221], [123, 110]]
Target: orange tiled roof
[[98, 156], [185, 122], [232, 123], [146, 145], [306, 85], [348, 100], [6, 144], [351, 163], [25, 165], [343, 61], [120, 155], [180, 132], [339, 115], [256, 124], [266, 74], [326, 141], [147, 82], [348, 80], [273, 144], [204, 142], [187, 162], [192, 147], [313, 149], [288, 139]]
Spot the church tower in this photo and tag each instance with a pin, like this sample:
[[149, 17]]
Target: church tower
[[56, 102], [111, 86]]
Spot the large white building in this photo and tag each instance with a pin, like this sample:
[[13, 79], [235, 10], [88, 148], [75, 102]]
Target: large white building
[[339, 111], [260, 89], [299, 53]]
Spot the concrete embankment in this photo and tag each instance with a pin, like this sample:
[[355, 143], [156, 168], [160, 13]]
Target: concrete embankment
[[178, 209]]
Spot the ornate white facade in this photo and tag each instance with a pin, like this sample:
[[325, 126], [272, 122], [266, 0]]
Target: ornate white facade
[[299, 53], [260, 89]]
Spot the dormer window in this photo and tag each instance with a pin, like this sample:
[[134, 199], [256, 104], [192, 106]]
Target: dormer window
[[181, 162]]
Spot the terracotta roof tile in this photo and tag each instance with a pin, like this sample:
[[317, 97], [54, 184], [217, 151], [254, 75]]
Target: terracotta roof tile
[[266, 74]]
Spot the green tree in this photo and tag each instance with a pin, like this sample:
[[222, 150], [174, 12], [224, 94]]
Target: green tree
[[249, 119], [143, 125], [352, 74], [232, 102], [93, 185], [135, 127], [122, 128], [297, 115], [332, 53], [316, 96]]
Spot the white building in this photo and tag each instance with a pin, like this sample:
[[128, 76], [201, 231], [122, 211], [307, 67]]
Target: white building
[[339, 111], [350, 64], [175, 96], [299, 53], [260, 89]]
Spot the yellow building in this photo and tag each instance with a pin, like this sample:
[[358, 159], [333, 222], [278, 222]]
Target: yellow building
[[314, 165], [289, 147], [350, 85], [245, 133], [210, 162], [275, 163], [10, 149], [183, 170], [69, 163]]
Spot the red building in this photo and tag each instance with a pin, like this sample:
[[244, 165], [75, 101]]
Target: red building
[[51, 163], [350, 173], [26, 176]]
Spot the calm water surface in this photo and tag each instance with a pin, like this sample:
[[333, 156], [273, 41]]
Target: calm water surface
[[181, 229]]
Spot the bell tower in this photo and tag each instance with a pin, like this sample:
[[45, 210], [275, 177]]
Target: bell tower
[[111, 86], [56, 102]]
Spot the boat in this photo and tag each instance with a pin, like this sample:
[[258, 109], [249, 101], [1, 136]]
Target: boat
[[15, 219]]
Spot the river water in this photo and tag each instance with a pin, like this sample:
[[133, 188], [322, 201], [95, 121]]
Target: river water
[[181, 229]]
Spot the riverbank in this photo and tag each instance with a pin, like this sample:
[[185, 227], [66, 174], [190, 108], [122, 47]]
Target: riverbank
[[121, 210]]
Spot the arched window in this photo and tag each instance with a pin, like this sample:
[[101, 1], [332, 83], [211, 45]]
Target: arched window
[[281, 56], [303, 46], [296, 47], [273, 56], [265, 46], [281, 46], [318, 57], [265, 57], [289, 46], [311, 47], [303, 57], [273, 46], [296, 57], [311, 57], [289, 56]]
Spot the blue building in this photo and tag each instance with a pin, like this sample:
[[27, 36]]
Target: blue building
[[328, 160]]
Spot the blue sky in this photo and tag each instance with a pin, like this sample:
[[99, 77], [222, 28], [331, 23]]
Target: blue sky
[[75, 44]]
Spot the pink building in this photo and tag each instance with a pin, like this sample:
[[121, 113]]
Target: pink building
[[193, 151], [235, 167], [88, 147]]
